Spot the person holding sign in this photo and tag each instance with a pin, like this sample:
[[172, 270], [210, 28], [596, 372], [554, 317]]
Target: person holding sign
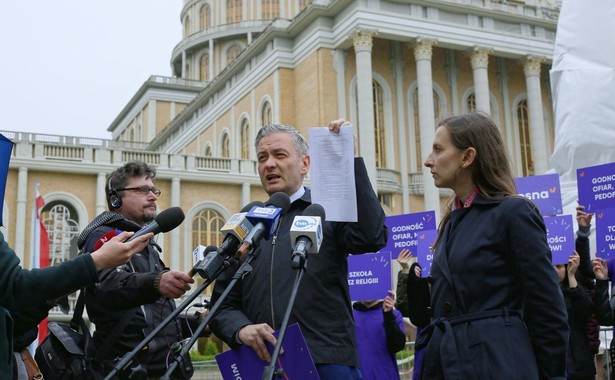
[[380, 334], [580, 362], [495, 299]]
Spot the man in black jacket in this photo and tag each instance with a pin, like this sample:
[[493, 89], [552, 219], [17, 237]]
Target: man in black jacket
[[143, 288], [255, 307]]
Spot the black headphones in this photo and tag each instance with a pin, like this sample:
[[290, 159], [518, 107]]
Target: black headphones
[[114, 198]]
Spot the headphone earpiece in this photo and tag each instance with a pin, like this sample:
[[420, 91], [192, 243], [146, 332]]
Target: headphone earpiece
[[115, 201], [114, 198]]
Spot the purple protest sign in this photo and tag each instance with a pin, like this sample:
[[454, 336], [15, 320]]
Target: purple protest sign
[[369, 276], [605, 233], [424, 252], [296, 361], [403, 230], [544, 191], [596, 185], [560, 236]]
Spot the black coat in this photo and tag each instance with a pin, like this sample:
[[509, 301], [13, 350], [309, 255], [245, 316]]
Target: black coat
[[498, 312], [322, 307], [130, 289]]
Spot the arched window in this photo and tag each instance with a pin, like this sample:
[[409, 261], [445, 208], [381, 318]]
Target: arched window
[[245, 140], [226, 146], [233, 11], [266, 114], [208, 152], [232, 53], [204, 67], [62, 230], [471, 103], [205, 17], [206, 227], [525, 144], [187, 26], [187, 75], [417, 125], [271, 9]]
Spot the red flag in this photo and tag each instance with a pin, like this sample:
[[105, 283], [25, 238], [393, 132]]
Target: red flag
[[40, 250]]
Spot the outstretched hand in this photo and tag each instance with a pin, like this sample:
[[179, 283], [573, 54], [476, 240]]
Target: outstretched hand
[[115, 252]]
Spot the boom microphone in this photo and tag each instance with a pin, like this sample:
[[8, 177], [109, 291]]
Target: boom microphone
[[306, 230], [265, 220], [164, 222]]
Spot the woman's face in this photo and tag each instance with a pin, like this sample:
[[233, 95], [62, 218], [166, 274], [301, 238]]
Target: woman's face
[[561, 272], [445, 160]]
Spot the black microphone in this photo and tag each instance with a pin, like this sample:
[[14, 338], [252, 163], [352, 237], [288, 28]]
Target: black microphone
[[265, 220], [164, 222], [198, 256], [306, 231], [235, 229]]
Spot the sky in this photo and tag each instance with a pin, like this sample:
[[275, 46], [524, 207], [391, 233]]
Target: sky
[[68, 67]]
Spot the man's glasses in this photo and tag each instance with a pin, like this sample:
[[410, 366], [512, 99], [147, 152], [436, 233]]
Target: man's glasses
[[143, 190]]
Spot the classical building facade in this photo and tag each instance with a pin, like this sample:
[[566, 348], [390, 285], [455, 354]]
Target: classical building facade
[[392, 67]]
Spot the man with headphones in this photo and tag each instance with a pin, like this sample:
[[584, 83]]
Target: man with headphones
[[133, 299]]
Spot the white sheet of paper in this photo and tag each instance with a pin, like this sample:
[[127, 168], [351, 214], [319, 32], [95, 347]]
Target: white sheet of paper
[[332, 173]]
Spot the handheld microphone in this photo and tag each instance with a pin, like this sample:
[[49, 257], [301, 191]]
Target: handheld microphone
[[265, 221], [306, 230], [106, 237], [198, 255], [235, 229], [164, 222]]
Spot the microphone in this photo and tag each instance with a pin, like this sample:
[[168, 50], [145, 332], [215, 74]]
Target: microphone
[[164, 222], [235, 230], [306, 230], [198, 255], [106, 237], [265, 221]]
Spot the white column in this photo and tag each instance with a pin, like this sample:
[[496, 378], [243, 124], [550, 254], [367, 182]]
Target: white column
[[184, 65], [538, 136], [422, 54], [398, 73], [174, 245], [20, 214], [101, 197], [245, 194], [339, 65], [480, 62], [362, 40]]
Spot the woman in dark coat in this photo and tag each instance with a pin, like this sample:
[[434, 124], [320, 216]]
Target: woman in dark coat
[[497, 310]]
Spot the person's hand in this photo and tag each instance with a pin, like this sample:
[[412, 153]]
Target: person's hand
[[389, 301], [335, 125], [573, 263], [417, 271], [115, 252], [601, 270], [403, 258], [255, 337], [583, 218], [174, 284]]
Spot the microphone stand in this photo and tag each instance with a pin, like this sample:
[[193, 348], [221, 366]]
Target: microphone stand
[[128, 358], [270, 372], [244, 269]]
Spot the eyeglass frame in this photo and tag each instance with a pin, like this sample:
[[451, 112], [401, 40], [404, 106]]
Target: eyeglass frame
[[141, 189]]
